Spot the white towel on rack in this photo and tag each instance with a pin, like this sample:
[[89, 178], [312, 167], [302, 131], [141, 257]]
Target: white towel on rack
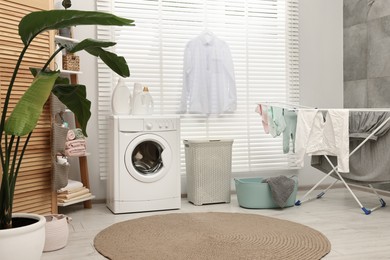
[[316, 135]]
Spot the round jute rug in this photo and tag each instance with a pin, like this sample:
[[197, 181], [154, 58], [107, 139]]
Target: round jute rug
[[211, 236]]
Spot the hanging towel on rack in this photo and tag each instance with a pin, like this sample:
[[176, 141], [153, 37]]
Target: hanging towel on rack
[[290, 131], [316, 135], [277, 124], [208, 76], [262, 110]]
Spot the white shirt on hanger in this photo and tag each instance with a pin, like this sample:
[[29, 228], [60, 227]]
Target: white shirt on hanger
[[208, 76]]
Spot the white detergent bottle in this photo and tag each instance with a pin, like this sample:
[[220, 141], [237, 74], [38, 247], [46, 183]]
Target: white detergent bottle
[[147, 101], [143, 103], [137, 91], [121, 99]]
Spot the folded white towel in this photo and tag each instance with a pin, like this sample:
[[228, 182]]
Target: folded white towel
[[70, 135], [72, 184]]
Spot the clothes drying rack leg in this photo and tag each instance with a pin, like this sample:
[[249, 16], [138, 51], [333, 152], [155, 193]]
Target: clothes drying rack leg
[[365, 210], [334, 169], [383, 203], [322, 193]]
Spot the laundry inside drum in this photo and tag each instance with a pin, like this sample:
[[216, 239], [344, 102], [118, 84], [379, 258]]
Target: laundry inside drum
[[146, 158]]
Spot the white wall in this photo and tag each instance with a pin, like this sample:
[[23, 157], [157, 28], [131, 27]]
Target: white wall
[[321, 43], [321, 61]]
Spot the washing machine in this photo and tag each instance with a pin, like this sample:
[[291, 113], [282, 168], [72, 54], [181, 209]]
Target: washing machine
[[144, 164]]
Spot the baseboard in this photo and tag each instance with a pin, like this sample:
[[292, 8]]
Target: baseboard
[[300, 188], [319, 187], [340, 185], [367, 189], [98, 201]]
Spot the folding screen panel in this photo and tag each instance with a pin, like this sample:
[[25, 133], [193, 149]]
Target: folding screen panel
[[33, 189]]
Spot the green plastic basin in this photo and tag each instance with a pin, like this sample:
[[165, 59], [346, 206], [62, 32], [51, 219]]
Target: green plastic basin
[[252, 193]]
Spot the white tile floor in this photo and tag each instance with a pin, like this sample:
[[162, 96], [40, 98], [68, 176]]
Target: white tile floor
[[353, 235]]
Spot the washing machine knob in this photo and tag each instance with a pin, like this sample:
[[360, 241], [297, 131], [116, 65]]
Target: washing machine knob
[[149, 126]]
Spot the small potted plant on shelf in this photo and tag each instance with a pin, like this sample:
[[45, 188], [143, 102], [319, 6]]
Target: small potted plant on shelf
[[66, 31], [16, 126]]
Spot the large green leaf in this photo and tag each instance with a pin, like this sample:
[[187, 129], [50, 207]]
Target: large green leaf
[[73, 47], [117, 63], [75, 98], [36, 22], [59, 80], [25, 115], [90, 43], [62, 80]]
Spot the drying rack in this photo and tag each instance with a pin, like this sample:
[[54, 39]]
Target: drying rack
[[305, 197], [285, 105], [340, 178]]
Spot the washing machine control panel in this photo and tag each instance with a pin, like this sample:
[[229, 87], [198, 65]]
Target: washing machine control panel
[[159, 124]]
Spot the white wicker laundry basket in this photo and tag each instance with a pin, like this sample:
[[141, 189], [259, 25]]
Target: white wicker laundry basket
[[208, 169]]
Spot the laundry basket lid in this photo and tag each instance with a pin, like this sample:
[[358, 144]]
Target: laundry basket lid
[[197, 141]]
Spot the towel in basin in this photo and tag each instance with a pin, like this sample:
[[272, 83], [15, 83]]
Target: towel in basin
[[281, 189]]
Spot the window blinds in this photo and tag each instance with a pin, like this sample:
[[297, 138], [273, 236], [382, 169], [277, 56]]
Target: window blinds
[[263, 39]]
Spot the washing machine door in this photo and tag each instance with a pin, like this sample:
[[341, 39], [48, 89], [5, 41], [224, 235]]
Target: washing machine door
[[148, 157]]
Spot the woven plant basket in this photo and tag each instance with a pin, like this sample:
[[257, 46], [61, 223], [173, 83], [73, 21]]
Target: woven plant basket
[[57, 232], [71, 62]]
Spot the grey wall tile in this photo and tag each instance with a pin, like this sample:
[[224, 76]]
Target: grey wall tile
[[379, 8], [366, 53], [378, 29], [355, 52], [355, 12], [355, 94], [378, 58], [378, 92]]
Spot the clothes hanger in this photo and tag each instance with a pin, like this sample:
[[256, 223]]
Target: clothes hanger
[[207, 32]]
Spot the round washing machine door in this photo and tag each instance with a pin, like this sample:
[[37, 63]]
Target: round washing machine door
[[148, 157]]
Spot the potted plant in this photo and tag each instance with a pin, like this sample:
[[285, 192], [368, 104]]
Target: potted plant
[[24, 117], [66, 31]]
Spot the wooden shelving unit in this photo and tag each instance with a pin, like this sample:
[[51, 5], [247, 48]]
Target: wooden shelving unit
[[83, 162]]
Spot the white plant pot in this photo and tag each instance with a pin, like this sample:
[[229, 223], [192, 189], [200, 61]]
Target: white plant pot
[[23, 242]]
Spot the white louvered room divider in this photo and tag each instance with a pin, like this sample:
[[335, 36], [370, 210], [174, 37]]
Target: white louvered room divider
[[263, 39]]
